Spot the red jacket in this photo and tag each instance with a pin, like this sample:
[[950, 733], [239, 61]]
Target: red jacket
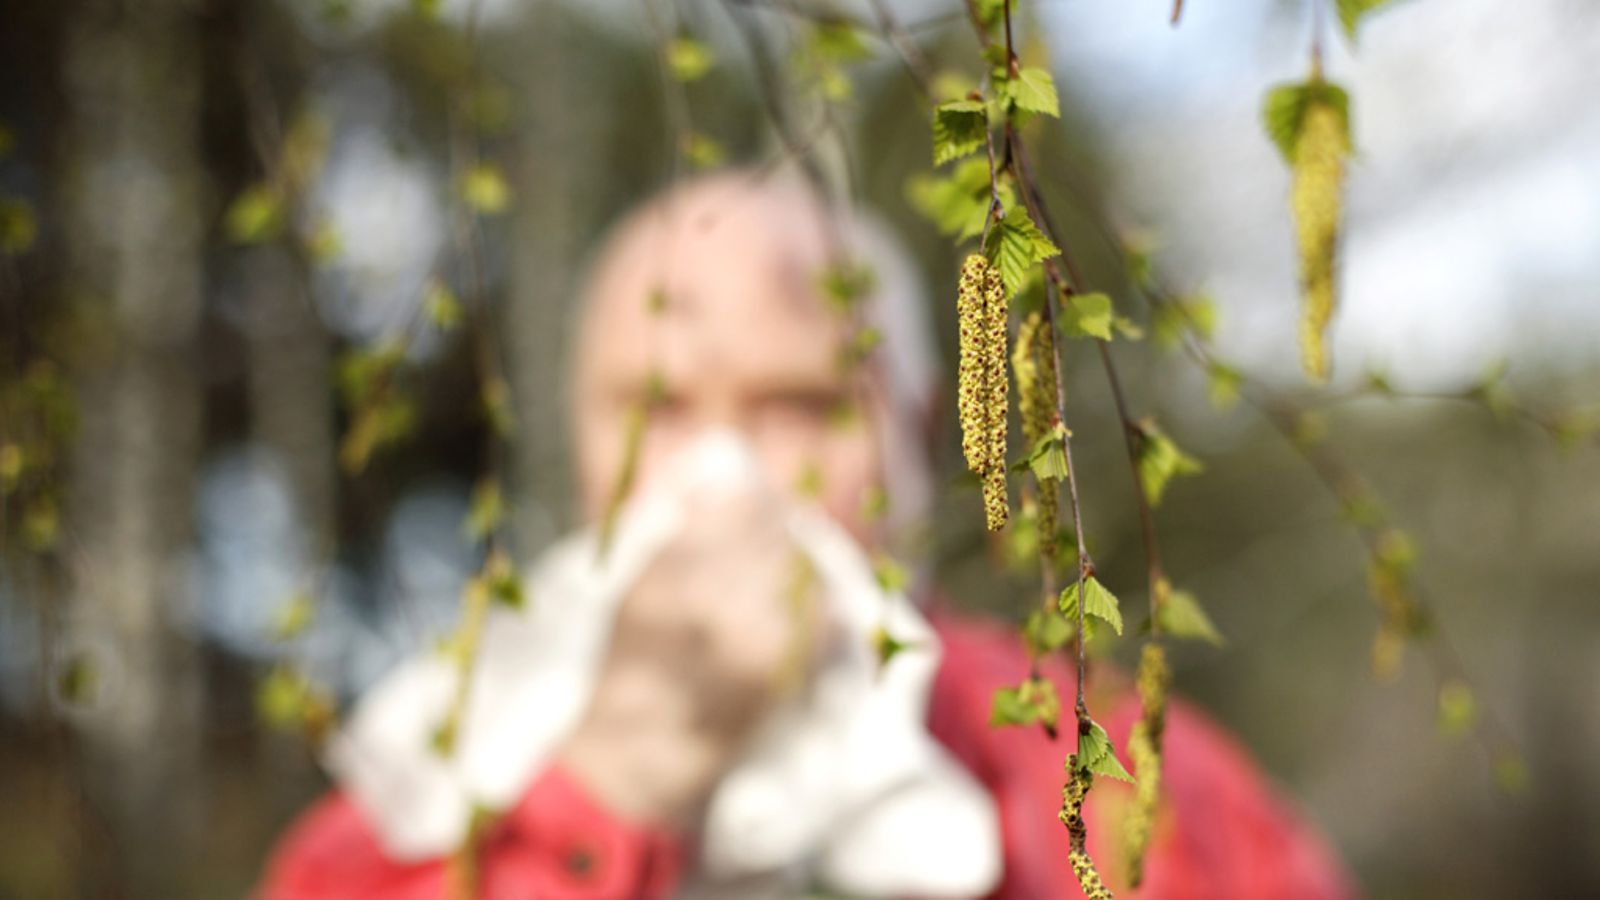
[[1221, 833]]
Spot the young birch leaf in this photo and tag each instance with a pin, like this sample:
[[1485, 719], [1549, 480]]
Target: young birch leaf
[[1351, 13], [1170, 321], [1182, 616], [702, 151], [1222, 386], [1458, 708], [487, 509], [1032, 702], [1046, 631], [19, 226], [1007, 708], [293, 618], [960, 127], [441, 305], [1033, 90], [688, 59], [255, 215], [1015, 245], [1101, 603], [1510, 772], [890, 575], [1087, 315], [1048, 457], [886, 645], [1160, 460], [1096, 754], [1285, 108], [484, 189]]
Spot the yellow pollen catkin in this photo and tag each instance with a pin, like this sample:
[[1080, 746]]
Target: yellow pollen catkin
[[981, 383], [1144, 745], [1073, 794], [1315, 201], [1033, 362]]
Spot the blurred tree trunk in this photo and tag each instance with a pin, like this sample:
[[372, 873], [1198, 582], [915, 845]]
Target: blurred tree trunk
[[291, 400], [541, 275], [134, 229]]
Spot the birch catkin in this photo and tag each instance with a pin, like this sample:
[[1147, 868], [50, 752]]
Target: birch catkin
[[1033, 362], [982, 385], [1144, 745], [1315, 201], [1072, 797]]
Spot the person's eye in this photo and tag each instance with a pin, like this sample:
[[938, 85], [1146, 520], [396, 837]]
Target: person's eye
[[800, 406]]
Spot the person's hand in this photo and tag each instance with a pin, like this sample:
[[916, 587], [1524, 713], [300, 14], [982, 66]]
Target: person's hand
[[722, 626]]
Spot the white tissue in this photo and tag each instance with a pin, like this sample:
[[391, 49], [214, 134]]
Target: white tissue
[[848, 781]]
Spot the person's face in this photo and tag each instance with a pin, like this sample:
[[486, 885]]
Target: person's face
[[726, 308]]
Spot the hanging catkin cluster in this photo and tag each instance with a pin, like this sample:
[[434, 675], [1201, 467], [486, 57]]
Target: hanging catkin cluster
[[1315, 201], [1072, 797], [981, 381], [1033, 360], [1144, 745]]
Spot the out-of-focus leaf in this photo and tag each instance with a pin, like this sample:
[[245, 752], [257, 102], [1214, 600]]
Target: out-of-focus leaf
[[960, 127]]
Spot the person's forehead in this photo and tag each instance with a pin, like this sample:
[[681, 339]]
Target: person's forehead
[[732, 280]]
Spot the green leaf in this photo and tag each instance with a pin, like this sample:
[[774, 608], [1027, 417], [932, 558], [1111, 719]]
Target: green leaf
[[1284, 111], [1183, 617], [18, 226], [487, 510], [1102, 604], [1171, 320], [484, 189], [890, 575], [1395, 551], [1160, 460], [1352, 11], [1048, 456], [960, 127], [505, 587], [293, 618], [702, 151], [496, 397], [845, 283], [1458, 708], [78, 679], [255, 215], [324, 243], [1015, 245], [1087, 315], [886, 645], [1510, 772], [1046, 630], [1128, 328], [1096, 754], [989, 12], [1222, 385], [838, 42], [1033, 90], [1032, 702], [1573, 427], [959, 204], [688, 59], [441, 305]]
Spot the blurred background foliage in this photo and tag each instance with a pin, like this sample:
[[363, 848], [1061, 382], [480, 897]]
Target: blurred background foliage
[[238, 433]]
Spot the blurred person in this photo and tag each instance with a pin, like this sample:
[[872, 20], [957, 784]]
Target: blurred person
[[697, 709]]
